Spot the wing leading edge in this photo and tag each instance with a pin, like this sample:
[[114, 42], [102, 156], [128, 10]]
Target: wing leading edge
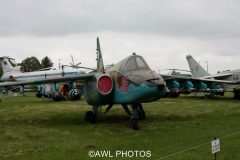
[[50, 80], [174, 77]]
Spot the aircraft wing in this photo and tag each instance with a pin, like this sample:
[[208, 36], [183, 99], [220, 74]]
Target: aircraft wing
[[179, 78], [217, 76], [49, 80], [215, 80]]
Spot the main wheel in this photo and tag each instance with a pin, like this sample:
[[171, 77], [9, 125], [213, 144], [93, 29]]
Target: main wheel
[[210, 96], [237, 95], [134, 123], [39, 95], [90, 117]]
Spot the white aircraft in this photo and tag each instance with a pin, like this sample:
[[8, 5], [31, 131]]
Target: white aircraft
[[17, 74], [231, 76]]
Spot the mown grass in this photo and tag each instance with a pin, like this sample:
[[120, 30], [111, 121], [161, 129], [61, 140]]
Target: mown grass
[[33, 129]]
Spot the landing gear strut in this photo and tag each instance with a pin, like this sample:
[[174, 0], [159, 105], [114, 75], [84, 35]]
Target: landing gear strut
[[237, 95], [137, 114], [141, 112]]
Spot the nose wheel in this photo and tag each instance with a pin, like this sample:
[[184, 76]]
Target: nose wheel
[[138, 114], [134, 123]]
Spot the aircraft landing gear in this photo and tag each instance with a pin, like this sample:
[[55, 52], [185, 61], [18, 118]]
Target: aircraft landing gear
[[125, 107], [138, 114], [211, 96], [141, 112], [134, 117], [237, 95], [134, 123], [39, 94], [90, 117]]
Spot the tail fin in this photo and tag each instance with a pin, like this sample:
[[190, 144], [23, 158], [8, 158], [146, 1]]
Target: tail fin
[[196, 69], [6, 65], [100, 65]]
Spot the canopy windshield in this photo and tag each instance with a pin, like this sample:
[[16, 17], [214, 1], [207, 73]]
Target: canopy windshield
[[134, 63], [129, 64]]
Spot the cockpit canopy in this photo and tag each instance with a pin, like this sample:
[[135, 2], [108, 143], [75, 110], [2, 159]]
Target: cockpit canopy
[[129, 64]]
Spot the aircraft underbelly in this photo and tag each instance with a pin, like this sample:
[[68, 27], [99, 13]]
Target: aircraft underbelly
[[229, 87], [136, 94]]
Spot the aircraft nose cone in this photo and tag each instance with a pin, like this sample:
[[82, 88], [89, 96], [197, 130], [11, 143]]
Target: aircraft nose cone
[[156, 79]]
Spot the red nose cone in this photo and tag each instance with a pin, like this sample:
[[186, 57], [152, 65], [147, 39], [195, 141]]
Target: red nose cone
[[104, 84]]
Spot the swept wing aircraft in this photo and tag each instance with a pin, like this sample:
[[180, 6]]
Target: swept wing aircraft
[[130, 82], [201, 81], [17, 74], [231, 76]]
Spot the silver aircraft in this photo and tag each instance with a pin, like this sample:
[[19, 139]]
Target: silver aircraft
[[17, 74], [229, 76]]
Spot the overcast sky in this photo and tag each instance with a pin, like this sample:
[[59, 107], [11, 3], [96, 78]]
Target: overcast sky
[[163, 32]]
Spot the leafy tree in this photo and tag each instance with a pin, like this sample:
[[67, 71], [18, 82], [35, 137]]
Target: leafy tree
[[46, 62], [31, 64]]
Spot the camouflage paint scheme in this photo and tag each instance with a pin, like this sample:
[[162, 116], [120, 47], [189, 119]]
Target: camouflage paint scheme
[[135, 84]]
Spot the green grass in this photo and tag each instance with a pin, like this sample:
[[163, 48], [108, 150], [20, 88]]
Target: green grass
[[33, 129]]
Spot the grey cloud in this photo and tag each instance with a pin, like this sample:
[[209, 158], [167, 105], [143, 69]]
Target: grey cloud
[[163, 31], [190, 18]]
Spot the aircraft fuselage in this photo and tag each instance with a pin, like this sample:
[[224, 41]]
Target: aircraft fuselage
[[38, 75]]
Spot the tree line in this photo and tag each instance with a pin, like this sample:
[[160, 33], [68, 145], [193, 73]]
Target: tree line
[[33, 64]]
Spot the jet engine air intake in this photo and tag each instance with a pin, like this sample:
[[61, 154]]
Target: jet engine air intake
[[104, 84]]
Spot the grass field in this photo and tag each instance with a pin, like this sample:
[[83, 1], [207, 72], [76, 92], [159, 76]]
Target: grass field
[[33, 129]]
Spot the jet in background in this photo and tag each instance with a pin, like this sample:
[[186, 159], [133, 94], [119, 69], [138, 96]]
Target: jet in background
[[17, 74], [231, 76], [201, 81], [177, 86]]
